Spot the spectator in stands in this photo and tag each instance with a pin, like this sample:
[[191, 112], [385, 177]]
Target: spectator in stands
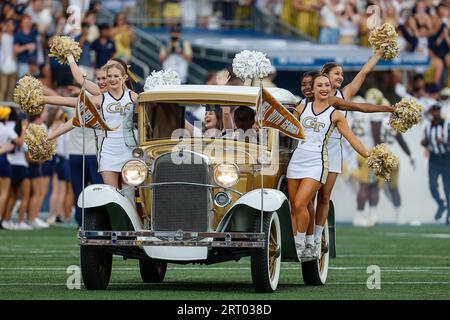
[[431, 97], [307, 17], [349, 22], [40, 16], [189, 13], [329, 32], [123, 36], [172, 12], [390, 15], [422, 38], [177, 54], [85, 58], [243, 12], [103, 47], [418, 89], [8, 66], [93, 31], [25, 45], [226, 9]]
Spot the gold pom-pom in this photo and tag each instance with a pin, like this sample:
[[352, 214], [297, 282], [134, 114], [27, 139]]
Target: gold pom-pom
[[29, 96], [382, 161], [39, 147], [385, 37], [62, 46], [407, 113]]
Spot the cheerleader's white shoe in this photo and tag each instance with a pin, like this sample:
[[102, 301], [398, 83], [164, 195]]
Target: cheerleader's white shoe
[[361, 221], [308, 253], [300, 247]]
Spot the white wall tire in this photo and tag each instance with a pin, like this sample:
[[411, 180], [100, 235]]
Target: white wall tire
[[266, 262], [315, 272]]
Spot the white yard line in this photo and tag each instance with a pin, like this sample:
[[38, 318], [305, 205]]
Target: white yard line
[[348, 268], [17, 284], [423, 235]]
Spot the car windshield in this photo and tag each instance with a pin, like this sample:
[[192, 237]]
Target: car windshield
[[179, 121]]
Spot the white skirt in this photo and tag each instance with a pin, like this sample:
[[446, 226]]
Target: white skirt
[[113, 154], [308, 164], [334, 148]]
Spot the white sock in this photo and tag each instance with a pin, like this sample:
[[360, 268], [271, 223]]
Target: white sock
[[318, 232], [300, 237], [310, 239]]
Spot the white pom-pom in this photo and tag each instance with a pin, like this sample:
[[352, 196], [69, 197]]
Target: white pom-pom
[[161, 78], [251, 64], [171, 77]]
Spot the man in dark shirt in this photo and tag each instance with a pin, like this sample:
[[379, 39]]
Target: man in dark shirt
[[103, 47], [437, 141], [25, 45]]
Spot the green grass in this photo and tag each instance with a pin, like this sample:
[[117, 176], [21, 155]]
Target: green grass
[[414, 262]]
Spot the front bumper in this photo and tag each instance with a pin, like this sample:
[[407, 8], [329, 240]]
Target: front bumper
[[172, 239]]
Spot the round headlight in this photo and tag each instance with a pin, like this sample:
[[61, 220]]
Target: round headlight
[[226, 175], [134, 172]]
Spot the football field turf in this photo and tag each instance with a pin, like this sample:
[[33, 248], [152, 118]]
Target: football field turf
[[414, 263]]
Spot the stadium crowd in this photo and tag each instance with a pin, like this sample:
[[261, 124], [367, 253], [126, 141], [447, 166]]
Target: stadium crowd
[[28, 26]]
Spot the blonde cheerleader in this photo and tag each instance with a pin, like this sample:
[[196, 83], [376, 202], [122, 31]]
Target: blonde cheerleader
[[309, 166]]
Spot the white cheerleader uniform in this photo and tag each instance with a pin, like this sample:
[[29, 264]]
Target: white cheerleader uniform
[[334, 145], [113, 152], [310, 159]]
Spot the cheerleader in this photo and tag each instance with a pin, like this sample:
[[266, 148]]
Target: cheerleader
[[98, 88], [115, 105], [309, 166], [306, 87], [20, 181], [75, 143], [334, 146], [36, 176], [8, 139], [61, 191]]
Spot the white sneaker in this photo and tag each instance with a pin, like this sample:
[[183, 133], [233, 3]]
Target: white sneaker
[[361, 221], [36, 224], [317, 249], [8, 225], [41, 223], [300, 247], [308, 253], [23, 226], [51, 220], [372, 220]]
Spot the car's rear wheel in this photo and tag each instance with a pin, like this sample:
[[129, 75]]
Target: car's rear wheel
[[266, 262], [96, 261], [152, 271], [315, 272]]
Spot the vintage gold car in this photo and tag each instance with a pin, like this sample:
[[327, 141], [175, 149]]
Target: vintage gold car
[[196, 196]]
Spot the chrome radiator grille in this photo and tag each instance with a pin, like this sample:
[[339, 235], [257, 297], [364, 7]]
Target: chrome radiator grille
[[178, 206]]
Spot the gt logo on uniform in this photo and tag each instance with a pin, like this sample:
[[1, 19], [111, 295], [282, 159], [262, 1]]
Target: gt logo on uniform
[[311, 122], [116, 107]]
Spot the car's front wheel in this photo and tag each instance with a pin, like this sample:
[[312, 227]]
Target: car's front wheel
[[96, 261], [266, 262], [152, 271]]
